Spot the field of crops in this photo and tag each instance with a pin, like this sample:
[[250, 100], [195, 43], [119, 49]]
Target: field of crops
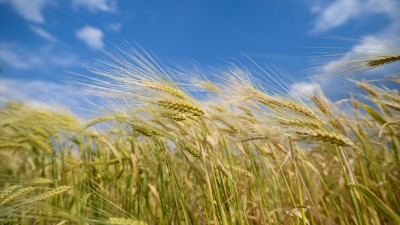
[[170, 147]]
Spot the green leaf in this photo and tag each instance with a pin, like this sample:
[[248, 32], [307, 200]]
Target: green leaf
[[379, 204], [372, 112]]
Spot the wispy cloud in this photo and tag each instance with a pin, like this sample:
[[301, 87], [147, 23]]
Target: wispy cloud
[[339, 12], [334, 14], [24, 58], [96, 5], [304, 89], [30, 10], [64, 59], [348, 65], [43, 94], [373, 45], [114, 26], [16, 57], [44, 34], [92, 36]]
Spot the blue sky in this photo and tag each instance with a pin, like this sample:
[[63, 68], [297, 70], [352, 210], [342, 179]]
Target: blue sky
[[41, 40]]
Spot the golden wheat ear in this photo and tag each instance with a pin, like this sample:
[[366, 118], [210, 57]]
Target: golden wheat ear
[[380, 61], [125, 221]]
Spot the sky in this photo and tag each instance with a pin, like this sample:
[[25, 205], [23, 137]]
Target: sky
[[43, 41]]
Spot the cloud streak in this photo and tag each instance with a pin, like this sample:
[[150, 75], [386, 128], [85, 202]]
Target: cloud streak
[[96, 5], [23, 58], [43, 94], [44, 34], [30, 10], [16, 57], [340, 12]]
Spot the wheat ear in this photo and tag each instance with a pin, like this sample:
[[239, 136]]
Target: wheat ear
[[181, 107], [325, 136], [16, 194], [174, 116], [125, 221], [241, 171], [51, 193], [166, 89], [100, 120], [41, 144], [15, 146], [392, 105], [146, 130], [383, 60], [5, 192], [323, 106], [300, 122], [280, 103], [41, 181], [194, 152], [368, 88]]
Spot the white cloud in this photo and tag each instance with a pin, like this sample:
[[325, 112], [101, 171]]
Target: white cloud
[[30, 9], [304, 89], [92, 36], [115, 26], [96, 5], [340, 12], [44, 34], [336, 14], [25, 58]]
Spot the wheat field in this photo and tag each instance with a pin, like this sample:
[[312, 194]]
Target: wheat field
[[171, 147]]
